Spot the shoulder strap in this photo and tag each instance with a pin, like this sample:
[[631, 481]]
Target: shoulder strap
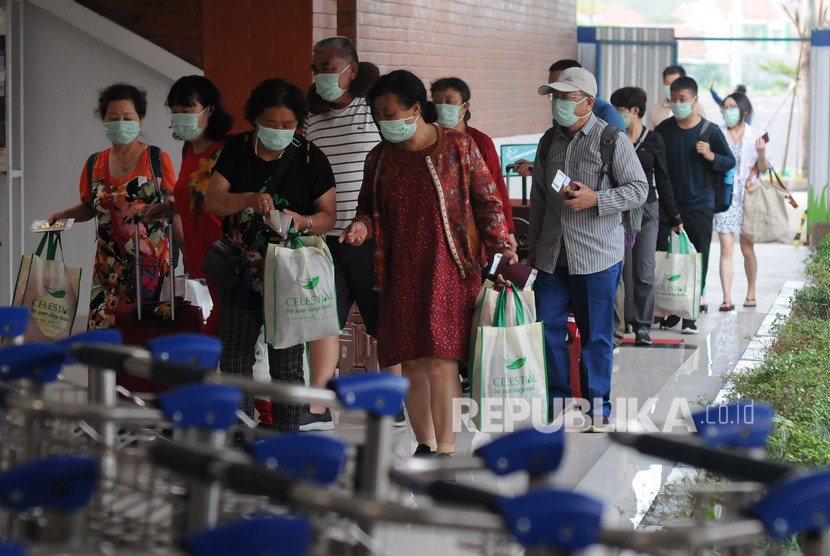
[[185, 144], [155, 167], [607, 146], [705, 131], [544, 143], [90, 163], [282, 167], [642, 138]]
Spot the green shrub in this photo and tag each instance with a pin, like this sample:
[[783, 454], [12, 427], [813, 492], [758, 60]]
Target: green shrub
[[799, 333], [812, 301]]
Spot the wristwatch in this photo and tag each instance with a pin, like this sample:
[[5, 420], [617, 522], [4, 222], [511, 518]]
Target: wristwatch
[[307, 225]]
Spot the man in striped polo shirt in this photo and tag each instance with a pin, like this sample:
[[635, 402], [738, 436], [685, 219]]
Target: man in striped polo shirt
[[341, 124], [576, 237]]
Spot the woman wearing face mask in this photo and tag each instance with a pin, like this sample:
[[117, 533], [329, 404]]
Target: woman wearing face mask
[[659, 205], [117, 183], [749, 152], [430, 203], [451, 97], [269, 168], [199, 118]]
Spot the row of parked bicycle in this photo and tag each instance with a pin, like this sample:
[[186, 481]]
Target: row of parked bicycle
[[96, 469]]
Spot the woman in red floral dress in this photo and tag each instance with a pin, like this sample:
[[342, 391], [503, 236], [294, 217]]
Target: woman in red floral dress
[[430, 202]]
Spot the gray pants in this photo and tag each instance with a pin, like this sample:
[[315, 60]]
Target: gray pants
[[639, 265]]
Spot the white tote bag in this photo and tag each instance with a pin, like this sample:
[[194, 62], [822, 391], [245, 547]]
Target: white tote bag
[[299, 301], [49, 289], [678, 279], [509, 376]]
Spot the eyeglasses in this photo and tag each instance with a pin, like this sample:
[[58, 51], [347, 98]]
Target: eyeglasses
[[573, 97]]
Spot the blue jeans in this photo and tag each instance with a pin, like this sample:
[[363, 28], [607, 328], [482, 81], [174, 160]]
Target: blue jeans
[[591, 298]]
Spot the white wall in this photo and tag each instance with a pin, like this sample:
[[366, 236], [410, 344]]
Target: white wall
[[64, 68]]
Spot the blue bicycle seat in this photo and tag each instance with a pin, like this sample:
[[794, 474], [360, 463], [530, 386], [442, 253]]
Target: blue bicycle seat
[[313, 457], [528, 450], [198, 350], [65, 483], [256, 536], [746, 424], [204, 406], [103, 336], [13, 321], [377, 393], [558, 519], [37, 362], [796, 505]]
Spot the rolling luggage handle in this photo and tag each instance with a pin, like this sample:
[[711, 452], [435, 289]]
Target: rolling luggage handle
[[167, 218]]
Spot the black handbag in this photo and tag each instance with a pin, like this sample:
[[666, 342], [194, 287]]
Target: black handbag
[[223, 262]]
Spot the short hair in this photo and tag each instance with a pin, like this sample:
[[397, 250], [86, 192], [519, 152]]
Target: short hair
[[743, 104], [562, 65], [674, 70], [122, 91], [409, 89], [343, 46], [684, 84], [276, 92], [629, 97], [189, 90], [453, 83]]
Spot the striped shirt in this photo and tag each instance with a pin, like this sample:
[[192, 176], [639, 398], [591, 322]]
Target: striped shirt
[[592, 237], [345, 136]]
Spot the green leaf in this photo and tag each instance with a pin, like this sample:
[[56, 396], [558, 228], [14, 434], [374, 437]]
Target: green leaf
[[56, 293], [674, 278], [309, 284], [517, 363]]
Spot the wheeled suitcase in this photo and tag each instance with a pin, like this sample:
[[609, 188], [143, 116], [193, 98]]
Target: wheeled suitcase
[[145, 320]]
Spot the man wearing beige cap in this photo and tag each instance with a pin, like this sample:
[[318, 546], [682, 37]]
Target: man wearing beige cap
[[576, 237]]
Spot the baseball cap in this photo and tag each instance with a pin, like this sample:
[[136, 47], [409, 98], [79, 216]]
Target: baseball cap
[[572, 79]]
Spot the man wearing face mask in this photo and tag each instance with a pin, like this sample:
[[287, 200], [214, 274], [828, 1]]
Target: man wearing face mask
[[340, 123], [576, 237], [662, 109], [601, 109], [690, 163]]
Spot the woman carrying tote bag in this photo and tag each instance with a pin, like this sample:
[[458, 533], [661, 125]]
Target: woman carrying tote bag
[[749, 152]]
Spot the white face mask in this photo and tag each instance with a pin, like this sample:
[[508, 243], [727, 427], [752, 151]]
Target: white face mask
[[186, 126], [449, 114]]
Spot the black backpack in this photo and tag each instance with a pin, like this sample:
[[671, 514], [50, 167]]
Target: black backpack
[[721, 181], [632, 219], [155, 166]]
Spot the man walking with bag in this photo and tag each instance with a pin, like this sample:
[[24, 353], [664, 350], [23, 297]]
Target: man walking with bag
[[692, 165], [576, 236]]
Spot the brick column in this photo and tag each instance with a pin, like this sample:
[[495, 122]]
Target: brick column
[[247, 41]]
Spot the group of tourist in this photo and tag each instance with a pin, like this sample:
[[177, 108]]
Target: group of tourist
[[412, 201]]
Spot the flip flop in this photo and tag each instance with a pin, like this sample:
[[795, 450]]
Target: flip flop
[[726, 307], [750, 302]]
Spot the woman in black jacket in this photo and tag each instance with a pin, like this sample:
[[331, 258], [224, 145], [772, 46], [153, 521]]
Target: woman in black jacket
[[659, 206]]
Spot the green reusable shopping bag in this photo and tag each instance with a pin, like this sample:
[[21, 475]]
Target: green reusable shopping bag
[[49, 289], [509, 376], [299, 302]]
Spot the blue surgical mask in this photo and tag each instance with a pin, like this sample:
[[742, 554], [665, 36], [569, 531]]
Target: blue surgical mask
[[186, 126], [328, 85], [732, 116], [563, 112], [275, 139], [122, 132], [681, 110], [625, 118], [398, 131], [448, 114]]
